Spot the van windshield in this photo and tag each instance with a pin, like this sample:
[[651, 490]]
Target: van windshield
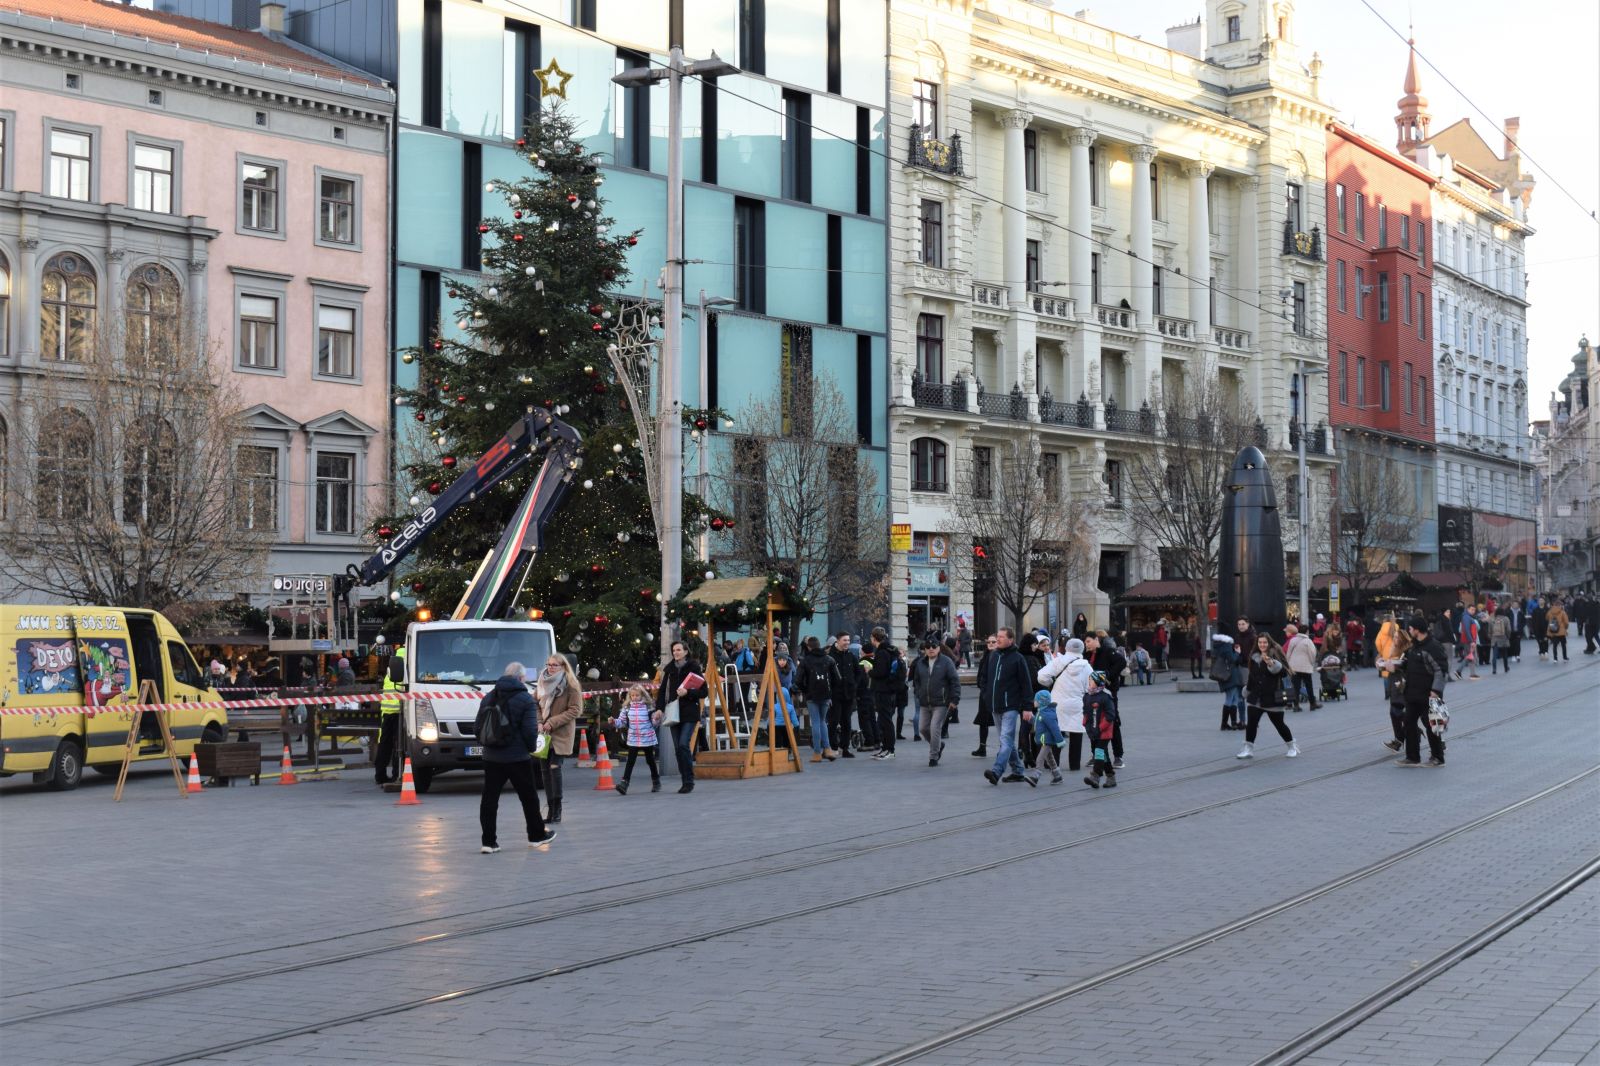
[[471, 656]]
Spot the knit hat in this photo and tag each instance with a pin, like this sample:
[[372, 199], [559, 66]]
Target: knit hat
[[343, 662], [1041, 699], [217, 668], [1099, 679], [1074, 646]]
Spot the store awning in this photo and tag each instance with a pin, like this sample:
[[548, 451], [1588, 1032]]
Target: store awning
[[1158, 592]]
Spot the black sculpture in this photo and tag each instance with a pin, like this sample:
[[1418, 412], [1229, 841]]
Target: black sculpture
[[1250, 563]]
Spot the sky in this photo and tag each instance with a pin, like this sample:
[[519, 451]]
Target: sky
[[1535, 60]]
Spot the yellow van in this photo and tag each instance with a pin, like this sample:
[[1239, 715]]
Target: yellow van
[[93, 657]]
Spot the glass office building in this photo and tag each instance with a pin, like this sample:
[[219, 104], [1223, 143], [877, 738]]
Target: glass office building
[[785, 164]]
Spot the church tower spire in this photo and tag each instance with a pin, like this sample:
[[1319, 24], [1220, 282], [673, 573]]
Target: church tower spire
[[1411, 124]]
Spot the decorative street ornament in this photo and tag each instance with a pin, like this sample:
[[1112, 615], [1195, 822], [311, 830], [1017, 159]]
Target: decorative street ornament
[[633, 357], [553, 80]]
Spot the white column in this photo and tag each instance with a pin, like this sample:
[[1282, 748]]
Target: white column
[[25, 284], [1200, 248], [1249, 281], [1080, 221], [1143, 297], [1016, 207]]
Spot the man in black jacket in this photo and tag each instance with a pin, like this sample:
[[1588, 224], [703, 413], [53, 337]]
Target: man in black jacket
[[687, 727], [513, 761], [1011, 703], [844, 694], [1426, 669], [888, 678], [938, 691]]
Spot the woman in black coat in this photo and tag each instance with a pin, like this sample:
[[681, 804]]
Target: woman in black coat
[[1080, 626], [1264, 695], [985, 716], [1030, 647]]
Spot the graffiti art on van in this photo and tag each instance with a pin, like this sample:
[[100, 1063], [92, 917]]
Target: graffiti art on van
[[46, 666], [105, 670]]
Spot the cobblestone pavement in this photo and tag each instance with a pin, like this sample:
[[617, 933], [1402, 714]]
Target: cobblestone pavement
[[100, 901]]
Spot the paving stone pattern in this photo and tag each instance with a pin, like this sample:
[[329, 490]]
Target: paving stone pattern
[[100, 900]]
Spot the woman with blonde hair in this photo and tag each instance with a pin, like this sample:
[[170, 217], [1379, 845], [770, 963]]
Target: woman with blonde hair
[[560, 697], [1392, 647]]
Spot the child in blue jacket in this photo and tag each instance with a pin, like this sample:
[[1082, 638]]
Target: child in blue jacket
[[1047, 731]]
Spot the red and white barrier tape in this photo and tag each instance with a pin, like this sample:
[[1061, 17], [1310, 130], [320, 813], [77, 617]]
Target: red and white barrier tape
[[267, 702]]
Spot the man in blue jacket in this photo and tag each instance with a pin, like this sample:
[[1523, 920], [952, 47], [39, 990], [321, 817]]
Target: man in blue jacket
[[512, 761], [1011, 703]]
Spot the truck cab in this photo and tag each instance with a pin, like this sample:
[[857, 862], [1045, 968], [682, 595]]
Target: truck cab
[[449, 665]]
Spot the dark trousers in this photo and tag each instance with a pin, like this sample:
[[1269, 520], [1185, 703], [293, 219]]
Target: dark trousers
[[1502, 657], [839, 724], [1299, 681], [1101, 765], [1416, 726], [1074, 750], [1397, 719], [1278, 723], [1544, 643], [1116, 731], [868, 718], [649, 760], [383, 757], [1588, 637], [884, 702], [1558, 648], [495, 776], [684, 735]]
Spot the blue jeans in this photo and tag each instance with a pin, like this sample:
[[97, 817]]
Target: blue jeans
[[1008, 760], [1233, 697], [819, 724]]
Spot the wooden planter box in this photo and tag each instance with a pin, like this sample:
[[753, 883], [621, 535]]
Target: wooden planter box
[[223, 762]]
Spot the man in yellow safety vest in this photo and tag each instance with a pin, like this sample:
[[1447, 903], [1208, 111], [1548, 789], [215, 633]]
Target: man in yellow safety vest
[[389, 720]]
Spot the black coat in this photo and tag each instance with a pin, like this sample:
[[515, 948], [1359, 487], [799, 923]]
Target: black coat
[[1010, 684], [1426, 669], [986, 661], [672, 676], [521, 712], [814, 664], [844, 686], [1265, 688]]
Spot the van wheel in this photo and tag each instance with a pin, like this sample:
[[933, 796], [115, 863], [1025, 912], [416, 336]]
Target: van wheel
[[213, 734], [66, 767], [423, 779]]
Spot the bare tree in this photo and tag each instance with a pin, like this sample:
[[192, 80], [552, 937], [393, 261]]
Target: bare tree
[[805, 500], [1376, 517], [134, 498], [1175, 492], [1026, 533]]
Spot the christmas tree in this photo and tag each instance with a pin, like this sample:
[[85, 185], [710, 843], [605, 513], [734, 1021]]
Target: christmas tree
[[533, 331]]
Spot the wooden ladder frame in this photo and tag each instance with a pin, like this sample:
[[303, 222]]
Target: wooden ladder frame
[[149, 695]]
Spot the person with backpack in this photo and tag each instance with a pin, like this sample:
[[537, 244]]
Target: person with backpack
[[1538, 626], [1467, 643], [1500, 640], [637, 723], [938, 692], [1424, 670], [1141, 665], [816, 678], [887, 678], [508, 727], [847, 674], [1555, 627]]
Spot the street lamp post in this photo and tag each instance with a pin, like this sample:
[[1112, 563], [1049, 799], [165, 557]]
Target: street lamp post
[[1303, 490], [669, 402]]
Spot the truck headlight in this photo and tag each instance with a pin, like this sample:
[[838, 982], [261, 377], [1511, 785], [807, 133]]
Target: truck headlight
[[427, 722]]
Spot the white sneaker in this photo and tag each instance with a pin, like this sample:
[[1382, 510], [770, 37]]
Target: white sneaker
[[1246, 752], [487, 850], [1294, 750]]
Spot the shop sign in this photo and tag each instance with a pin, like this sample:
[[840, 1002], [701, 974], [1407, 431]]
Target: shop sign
[[900, 537], [1549, 544]]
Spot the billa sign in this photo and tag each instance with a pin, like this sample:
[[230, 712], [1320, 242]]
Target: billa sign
[[900, 537]]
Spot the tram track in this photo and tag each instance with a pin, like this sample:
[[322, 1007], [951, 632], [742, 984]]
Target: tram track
[[1009, 813], [207, 983], [1307, 1042]]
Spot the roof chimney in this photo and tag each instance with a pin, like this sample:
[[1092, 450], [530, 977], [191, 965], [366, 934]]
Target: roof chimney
[[1513, 127], [271, 16]]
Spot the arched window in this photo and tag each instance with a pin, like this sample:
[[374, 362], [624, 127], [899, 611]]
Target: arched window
[[67, 309], [66, 446], [5, 307], [149, 452], [929, 472], [151, 317]]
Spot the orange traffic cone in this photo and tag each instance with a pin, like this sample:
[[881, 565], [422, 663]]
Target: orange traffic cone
[[585, 760], [286, 770], [194, 773], [605, 784], [408, 787]]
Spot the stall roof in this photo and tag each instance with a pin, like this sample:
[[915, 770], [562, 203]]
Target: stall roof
[[1392, 582], [1158, 592]]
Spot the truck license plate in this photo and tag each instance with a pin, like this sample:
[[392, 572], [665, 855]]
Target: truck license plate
[[475, 749]]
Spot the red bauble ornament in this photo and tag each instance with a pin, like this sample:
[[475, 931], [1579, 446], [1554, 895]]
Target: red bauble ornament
[[417, 586], [385, 531], [421, 417], [483, 229], [517, 237], [699, 423], [717, 523], [608, 274], [601, 620], [438, 346], [647, 593], [595, 309], [449, 462], [729, 523], [597, 568], [460, 398], [597, 327], [566, 614], [516, 214], [632, 241], [599, 387], [572, 197], [435, 488], [454, 294], [521, 143]]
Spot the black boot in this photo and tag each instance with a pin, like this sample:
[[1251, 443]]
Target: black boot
[[1227, 717], [552, 791], [655, 784], [622, 787]]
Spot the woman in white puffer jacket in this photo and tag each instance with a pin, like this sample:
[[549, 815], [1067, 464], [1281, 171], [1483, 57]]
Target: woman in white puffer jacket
[[1068, 677]]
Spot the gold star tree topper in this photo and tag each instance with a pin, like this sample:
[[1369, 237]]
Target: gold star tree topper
[[553, 80]]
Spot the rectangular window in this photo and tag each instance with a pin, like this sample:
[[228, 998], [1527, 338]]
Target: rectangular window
[[932, 233], [1405, 231], [864, 382], [797, 146], [1301, 326], [1361, 216], [1340, 209], [1344, 377], [930, 348], [1422, 316], [1157, 299], [1292, 202], [336, 342], [256, 500], [1425, 398], [835, 50], [1383, 225], [925, 108], [1406, 384], [750, 254], [1094, 176], [432, 63], [1156, 207], [982, 472], [835, 270], [1094, 277], [1383, 386], [520, 87], [752, 36], [1035, 250], [260, 207], [258, 332], [70, 162], [1030, 160], [632, 121], [336, 210], [336, 492], [1339, 273], [1361, 381], [5, 135], [1234, 31], [1383, 296], [1211, 292], [1422, 243], [584, 14], [1113, 481], [1405, 294], [1361, 292], [152, 178]]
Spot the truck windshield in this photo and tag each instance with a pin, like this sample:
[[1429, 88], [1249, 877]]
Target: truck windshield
[[478, 656]]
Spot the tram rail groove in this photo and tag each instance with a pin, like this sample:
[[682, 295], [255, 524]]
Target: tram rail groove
[[1325, 1033], [912, 1052], [1071, 800]]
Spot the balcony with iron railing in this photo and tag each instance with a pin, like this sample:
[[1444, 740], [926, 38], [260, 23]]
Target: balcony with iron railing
[[1052, 412], [1011, 405], [936, 395], [930, 153]]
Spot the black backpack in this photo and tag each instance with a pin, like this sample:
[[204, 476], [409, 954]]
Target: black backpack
[[491, 726], [819, 679]]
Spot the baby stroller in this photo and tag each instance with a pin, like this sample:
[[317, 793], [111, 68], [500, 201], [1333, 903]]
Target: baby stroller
[[1332, 671]]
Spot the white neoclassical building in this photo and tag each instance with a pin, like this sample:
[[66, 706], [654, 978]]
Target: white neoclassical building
[[1084, 222]]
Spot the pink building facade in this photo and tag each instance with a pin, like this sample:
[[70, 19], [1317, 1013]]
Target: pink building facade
[[226, 175]]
